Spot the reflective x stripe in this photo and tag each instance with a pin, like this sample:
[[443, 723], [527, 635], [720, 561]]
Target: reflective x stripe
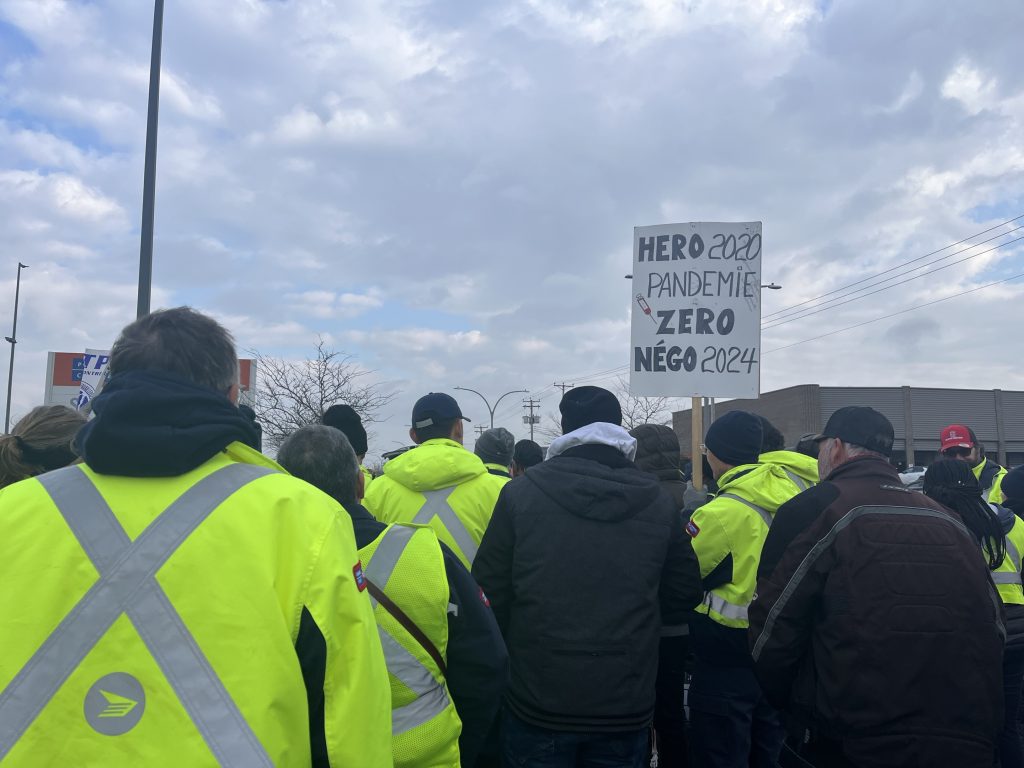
[[723, 607], [764, 513], [798, 481], [436, 504], [385, 557], [1009, 577], [127, 585], [431, 697]]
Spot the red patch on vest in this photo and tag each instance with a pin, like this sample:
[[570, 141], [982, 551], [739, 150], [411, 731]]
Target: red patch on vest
[[357, 571], [692, 529], [483, 598]]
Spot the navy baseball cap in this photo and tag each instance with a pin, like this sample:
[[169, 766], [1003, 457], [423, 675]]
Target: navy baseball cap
[[434, 408]]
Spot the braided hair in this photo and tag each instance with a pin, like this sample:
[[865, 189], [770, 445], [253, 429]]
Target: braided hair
[[952, 483]]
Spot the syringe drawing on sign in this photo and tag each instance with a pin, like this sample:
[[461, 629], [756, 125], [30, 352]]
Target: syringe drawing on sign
[[642, 302]]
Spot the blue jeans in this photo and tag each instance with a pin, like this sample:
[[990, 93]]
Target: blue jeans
[[527, 746]]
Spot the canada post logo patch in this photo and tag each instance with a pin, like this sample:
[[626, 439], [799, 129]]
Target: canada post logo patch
[[483, 597], [357, 571], [692, 529]]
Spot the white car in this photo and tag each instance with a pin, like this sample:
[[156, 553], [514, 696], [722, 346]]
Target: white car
[[912, 474]]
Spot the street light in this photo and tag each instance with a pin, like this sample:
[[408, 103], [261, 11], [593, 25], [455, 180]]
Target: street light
[[489, 409], [149, 171], [13, 340]]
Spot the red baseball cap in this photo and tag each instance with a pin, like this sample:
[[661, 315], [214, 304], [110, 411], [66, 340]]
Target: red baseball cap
[[956, 436]]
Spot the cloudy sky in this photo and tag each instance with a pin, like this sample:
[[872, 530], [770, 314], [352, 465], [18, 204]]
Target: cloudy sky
[[447, 190]]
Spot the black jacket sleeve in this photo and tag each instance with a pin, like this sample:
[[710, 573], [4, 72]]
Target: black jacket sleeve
[[492, 567], [681, 588], [477, 659]]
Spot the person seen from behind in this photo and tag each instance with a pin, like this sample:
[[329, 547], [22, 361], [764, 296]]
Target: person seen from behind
[[495, 448], [347, 420], [1000, 537], [583, 556], [657, 453], [41, 441], [876, 627], [959, 442], [179, 599], [438, 483], [445, 655], [731, 723], [525, 455]]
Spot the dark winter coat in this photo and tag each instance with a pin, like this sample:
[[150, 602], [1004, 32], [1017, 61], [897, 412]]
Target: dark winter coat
[[657, 452], [876, 623], [577, 555]]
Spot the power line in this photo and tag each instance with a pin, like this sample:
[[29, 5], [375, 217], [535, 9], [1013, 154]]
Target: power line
[[896, 314], [563, 386], [886, 288], [900, 266], [835, 302]]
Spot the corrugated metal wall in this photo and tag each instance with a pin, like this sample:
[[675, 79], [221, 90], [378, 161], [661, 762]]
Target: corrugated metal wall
[[933, 409], [886, 400], [1013, 421]]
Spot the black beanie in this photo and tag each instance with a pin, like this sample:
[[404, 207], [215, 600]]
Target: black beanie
[[586, 405], [345, 419], [1013, 484], [735, 438]]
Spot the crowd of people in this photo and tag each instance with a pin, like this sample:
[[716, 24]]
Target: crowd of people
[[172, 596]]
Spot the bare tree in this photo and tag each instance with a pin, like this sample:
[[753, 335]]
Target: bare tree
[[291, 394], [638, 410]]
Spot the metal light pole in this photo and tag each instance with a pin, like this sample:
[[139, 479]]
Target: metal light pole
[[149, 174], [489, 409], [13, 339]]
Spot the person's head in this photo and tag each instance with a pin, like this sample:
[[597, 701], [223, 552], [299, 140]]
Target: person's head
[[526, 454], [952, 483], [771, 438], [959, 442], [41, 441], [807, 445], [581, 406], [495, 446], [851, 432], [657, 448], [1012, 487], [345, 418], [733, 439], [323, 457], [435, 416], [182, 342]]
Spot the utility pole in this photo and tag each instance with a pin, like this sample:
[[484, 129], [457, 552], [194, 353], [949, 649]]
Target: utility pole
[[563, 386], [149, 172], [13, 339], [531, 419], [480, 429]]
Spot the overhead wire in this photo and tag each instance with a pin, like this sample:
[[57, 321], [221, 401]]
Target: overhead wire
[[899, 266]]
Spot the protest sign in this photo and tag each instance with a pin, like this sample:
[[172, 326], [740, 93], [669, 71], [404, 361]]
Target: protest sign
[[696, 321], [95, 365]]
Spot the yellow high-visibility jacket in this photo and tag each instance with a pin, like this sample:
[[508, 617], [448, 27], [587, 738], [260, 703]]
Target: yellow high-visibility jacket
[[170, 621], [992, 491], [801, 469], [441, 484], [1007, 576], [406, 563], [734, 525]]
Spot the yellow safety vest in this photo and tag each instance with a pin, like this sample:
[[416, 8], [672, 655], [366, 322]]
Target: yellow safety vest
[[736, 523], [153, 621], [801, 469], [441, 484], [500, 471], [406, 563], [1007, 576], [994, 493]]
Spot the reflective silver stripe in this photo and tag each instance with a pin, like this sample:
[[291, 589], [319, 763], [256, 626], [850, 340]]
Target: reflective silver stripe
[[389, 550], [798, 481], [764, 513], [127, 585], [1011, 550], [826, 541], [436, 504], [723, 607], [431, 696], [1006, 577]]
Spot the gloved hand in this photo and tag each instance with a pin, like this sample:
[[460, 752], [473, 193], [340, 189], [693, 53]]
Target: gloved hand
[[694, 497]]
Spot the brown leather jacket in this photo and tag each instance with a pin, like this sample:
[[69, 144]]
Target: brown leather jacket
[[876, 625]]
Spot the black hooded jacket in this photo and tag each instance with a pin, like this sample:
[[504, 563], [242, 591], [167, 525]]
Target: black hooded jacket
[[657, 452], [578, 554]]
